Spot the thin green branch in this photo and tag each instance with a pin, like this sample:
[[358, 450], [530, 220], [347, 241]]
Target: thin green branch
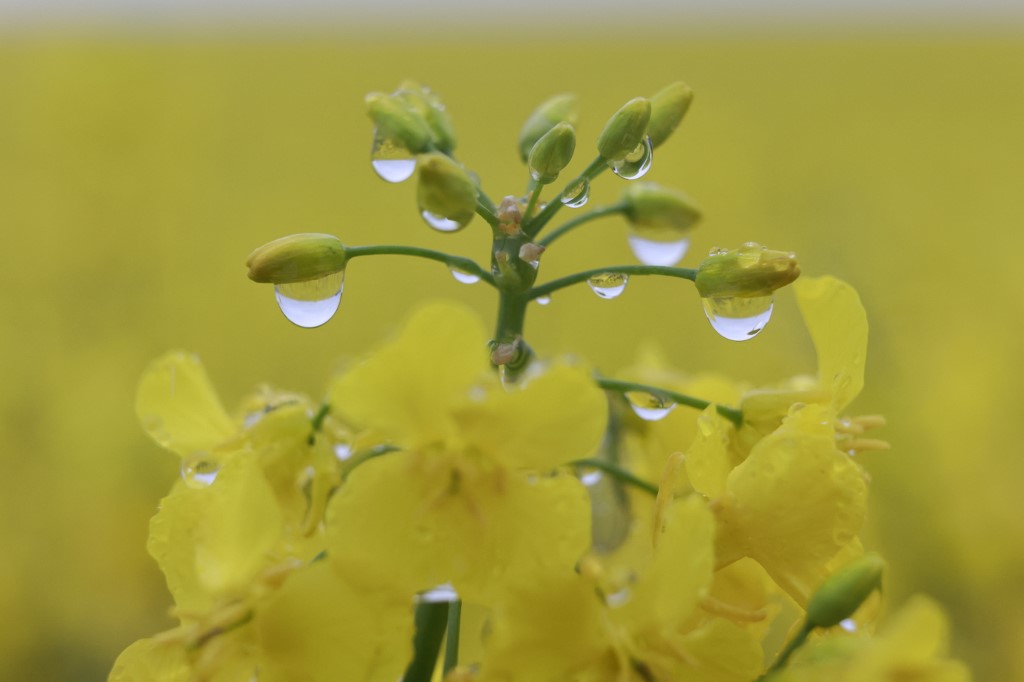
[[451, 646], [487, 212], [431, 619], [582, 220], [617, 472], [534, 195], [794, 644], [731, 413], [464, 264], [569, 280], [533, 227]]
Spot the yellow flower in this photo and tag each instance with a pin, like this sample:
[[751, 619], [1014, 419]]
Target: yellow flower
[[913, 645], [475, 497]]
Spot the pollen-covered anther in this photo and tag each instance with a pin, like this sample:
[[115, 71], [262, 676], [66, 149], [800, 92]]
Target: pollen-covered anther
[[510, 216]]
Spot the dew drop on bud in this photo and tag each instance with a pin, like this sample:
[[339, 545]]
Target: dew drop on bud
[[648, 406], [440, 223], [608, 284], [311, 303], [199, 470], [635, 164], [654, 252], [738, 318], [543, 300], [463, 276], [390, 160], [577, 194]]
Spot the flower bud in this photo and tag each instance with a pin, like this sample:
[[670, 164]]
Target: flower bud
[[558, 109], [749, 271], [396, 121], [552, 153], [844, 591], [297, 258], [668, 107], [445, 188], [625, 129], [428, 105], [653, 206]]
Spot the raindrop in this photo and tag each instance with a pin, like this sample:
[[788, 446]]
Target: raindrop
[[635, 164], [648, 406], [608, 284], [577, 194], [463, 276], [543, 300], [738, 318], [313, 302], [591, 477], [343, 451], [618, 598], [440, 223], [390, 160], [848, 624], [654, 252], [199, 470], [441, 593]]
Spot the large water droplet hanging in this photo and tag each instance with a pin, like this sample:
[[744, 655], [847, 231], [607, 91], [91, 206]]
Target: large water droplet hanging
[[311, 303], [440, 223], [608, 284], [577, 194], [655, 252], [648, 406], [463, 276], [739, 319], [199, 470], [635, 164], [390, 160], [543, 300]]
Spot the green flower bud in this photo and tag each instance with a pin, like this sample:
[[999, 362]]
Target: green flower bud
[[428, 105], [668, 107], [445, 188], [558, 109], [552, 153], [648, 205], [625, 129], [844, 591], [396, 121], [297, 258], [749, 271]]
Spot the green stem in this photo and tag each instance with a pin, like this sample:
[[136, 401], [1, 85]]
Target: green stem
[[730, 413], [451, 647], [488, 213], [431, 619], [581, 220], [511, 316], [617, 472], [317, 421], [561, 283], [464, 264], [794, 644], [534, 195], [533, 227]]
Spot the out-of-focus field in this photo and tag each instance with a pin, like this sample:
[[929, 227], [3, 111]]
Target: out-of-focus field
[[136, 173]]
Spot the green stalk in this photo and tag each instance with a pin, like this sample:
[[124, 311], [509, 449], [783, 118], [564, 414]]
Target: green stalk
[[730, 413], [561, 283], [794, 644], [451, 646], [431, 619], [581, 220], [533, 227], [534, 195], [464, 264], [617, 472]]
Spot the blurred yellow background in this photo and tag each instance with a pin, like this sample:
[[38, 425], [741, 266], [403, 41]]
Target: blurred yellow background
[[138, 170]]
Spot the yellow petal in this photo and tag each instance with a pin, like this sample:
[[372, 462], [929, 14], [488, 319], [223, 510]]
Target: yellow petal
[[795, 502], [408, 388], [708, 461], [556, 418], [318, 627], [149, 660], [722, 652], [838, 325], [178, 407]]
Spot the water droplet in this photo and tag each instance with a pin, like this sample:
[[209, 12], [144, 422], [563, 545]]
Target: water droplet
[[635, 164], [343, 451], [648, 406], [311, 303], [618, 598], [441, 593], [543, 300], [390, 160], [608, 284], [591, 477], [463, 276], [577, 194], [199, 470], [440, 223], [654, 252], [739, 319], [848, 624]]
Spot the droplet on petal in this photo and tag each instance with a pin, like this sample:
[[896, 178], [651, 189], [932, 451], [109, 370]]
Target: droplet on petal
[[199, 470]]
